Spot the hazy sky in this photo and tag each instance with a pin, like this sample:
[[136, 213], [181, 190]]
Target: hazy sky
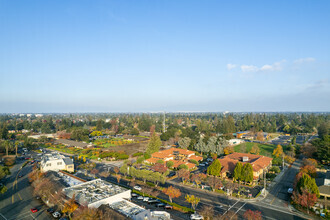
[[133, 56]]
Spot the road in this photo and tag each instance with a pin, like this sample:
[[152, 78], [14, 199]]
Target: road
[[18, 200], [278, 195]]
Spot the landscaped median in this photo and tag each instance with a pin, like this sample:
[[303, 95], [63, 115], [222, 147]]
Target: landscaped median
[[175, 206]]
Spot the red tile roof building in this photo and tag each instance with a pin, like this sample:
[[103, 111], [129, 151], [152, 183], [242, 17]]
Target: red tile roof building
[[177, 155], [258, 162]]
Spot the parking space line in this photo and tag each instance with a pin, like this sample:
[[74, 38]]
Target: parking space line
[[3, 216]]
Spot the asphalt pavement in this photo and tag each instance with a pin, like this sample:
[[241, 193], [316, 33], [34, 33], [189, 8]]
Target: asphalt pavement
[[18, 200]]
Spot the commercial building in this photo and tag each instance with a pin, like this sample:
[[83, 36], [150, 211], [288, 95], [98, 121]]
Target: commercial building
[[177, 155], [259, 163], [55, 162], [94, 193]]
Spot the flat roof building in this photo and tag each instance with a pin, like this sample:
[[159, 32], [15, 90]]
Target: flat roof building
[[97, 192]]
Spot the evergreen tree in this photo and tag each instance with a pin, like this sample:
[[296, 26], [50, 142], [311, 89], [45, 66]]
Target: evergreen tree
[[200, 146], [247, 173], [308, 183], [238, 171], [154, 144], [214, 169]]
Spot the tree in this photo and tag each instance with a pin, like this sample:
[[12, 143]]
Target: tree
[[118, 177], [247, 173], [305, 199], [154, 144], [214, 169], [123, 169], [207, 212], [183, 166], [238, 171], [169, 164], [260, 136], [255, 149], [201, 146], [184, 142], [183, 174], [172, 192], [3, 189], [160, 161], [308, 169], [323, 130], [193, 200], [70, 206], [252, 215], [228, 150], [4, 132], [214, 182], [278, 151], [308, 183], [158, 167]]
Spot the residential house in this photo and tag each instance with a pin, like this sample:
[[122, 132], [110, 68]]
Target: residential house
[[323, 182], [56, 162], [177, 155]]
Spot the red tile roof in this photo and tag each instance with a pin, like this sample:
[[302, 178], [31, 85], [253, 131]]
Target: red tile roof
[[194, 157], [258, 162]]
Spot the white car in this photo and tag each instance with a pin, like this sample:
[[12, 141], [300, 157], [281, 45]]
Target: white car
[[145, 199], [140, 198], [196, 217], [56, 214], [134, 195], [202, 165], [137, 188]]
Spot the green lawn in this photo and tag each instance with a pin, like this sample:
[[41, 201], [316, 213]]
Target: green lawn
[[265, 149]]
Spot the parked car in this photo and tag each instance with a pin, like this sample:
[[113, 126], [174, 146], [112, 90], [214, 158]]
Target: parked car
[[140, 198], [196, 217], [290, 190], [168, 206], [160, 205], [38, 197], [202, 165], [134, 195], [33, 210], [137, 188], [152, 201], [146, 199], [50, 210], [20, 176], [56, 214]]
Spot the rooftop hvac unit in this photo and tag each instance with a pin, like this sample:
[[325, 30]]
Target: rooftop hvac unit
[[245, 159]]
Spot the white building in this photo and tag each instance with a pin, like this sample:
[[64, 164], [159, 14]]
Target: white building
[[135, 212], [235, 141], [56, 162], [97, 192]]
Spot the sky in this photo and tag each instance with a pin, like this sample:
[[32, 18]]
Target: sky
[[160, 55]]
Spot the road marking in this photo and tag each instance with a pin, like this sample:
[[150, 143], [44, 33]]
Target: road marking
[[238, 210], [3, 216], [12, 199], [19, 196]]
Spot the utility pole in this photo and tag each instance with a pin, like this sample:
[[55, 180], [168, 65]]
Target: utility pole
[[164, 128], [265, 182]]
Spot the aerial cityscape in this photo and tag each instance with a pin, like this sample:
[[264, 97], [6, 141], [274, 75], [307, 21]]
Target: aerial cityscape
[[160, 110]]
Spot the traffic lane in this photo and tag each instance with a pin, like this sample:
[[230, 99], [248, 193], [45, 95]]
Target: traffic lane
[[20, 199], [174, 213]]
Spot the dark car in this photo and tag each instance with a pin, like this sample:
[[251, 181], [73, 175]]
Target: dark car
[[50, 210], [160, 205], [153, 201], [38, 197], [19, 176]]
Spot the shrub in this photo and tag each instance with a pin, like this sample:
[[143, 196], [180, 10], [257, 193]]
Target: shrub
[[275, 169], [122, 157], [194, 162], [169, 164], [160, 161], [150, 184], [137, 154], [147, 156], [183, 166]]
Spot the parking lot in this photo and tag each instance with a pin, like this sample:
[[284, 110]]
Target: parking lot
[[153, 207]]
